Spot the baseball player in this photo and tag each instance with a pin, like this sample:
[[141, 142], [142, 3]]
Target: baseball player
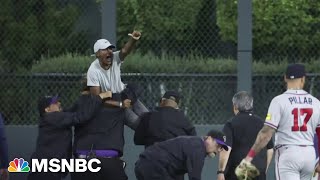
[[294, 117]]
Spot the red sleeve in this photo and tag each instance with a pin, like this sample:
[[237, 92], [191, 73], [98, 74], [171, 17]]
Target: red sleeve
[[318, 136]]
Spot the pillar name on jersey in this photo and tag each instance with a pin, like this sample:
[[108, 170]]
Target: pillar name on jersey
[[300, 100]]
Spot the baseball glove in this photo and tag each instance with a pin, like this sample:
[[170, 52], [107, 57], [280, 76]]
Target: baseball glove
[[246, 171]]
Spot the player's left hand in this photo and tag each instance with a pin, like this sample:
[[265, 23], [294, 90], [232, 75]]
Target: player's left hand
[[246, 170], [135, 35]]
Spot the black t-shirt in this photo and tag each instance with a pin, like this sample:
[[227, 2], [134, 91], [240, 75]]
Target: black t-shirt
[[180, 155], [55, 133], [163, 124], [241, 132], [103, 132]]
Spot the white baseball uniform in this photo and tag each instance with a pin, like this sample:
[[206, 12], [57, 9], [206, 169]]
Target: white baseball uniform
[[295, 115]]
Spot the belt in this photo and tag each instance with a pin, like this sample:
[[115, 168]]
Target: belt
[[284, 145], [98, 153]]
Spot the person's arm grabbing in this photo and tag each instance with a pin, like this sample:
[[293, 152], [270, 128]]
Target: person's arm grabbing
[[95, 90], [88, 106], [140, 132]]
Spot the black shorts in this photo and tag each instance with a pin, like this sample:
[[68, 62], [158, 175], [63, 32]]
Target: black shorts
[[111, 169], [148, 170], [46, 176]]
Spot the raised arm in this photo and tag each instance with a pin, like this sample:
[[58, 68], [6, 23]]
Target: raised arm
[[134, 37]]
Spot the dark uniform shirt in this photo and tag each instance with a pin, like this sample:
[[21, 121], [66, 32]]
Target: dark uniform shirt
[[55, 133], [103, 132], [241, 132], [4, 160], [163, 124], [184, 154]]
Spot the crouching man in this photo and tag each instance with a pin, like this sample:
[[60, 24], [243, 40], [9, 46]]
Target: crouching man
[[185, 154]]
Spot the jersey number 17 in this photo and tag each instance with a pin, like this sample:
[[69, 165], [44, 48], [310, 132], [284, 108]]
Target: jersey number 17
[[296, 112]]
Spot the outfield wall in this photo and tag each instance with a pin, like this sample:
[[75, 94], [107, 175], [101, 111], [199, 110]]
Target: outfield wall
[[22, 141]]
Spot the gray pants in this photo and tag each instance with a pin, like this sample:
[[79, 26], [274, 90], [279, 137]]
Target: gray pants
[[295, 162], [134, 113]]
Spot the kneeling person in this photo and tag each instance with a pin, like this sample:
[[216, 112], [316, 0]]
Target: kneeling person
[[185, 154]]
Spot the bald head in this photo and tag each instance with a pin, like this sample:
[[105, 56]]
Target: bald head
[[168, 103]]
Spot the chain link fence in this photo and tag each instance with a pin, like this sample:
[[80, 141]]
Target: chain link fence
[[187, 35]]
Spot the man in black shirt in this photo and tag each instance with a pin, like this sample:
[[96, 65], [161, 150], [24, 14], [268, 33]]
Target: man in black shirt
[[166, 122], [185, 154], [103, 138], [55, 133], [241, 132]]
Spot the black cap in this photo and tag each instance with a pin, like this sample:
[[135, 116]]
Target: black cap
[[45, 102], [295, 71], [219, 137], [173, 95]]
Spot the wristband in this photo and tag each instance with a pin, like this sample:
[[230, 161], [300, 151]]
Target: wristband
[[251, 153], [220, 172], [120, 104]]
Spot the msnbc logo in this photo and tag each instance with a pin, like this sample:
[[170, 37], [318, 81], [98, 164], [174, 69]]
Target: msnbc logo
[[18, 165]]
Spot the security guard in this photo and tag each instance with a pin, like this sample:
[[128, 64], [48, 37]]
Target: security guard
[[241, 132], [165, 123], [102, 138], [184, 154], [55, 133]]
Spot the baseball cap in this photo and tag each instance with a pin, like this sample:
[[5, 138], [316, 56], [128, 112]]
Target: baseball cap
[[45, 102], [173, 95], [295, 71], [219, 137], [102, 44]]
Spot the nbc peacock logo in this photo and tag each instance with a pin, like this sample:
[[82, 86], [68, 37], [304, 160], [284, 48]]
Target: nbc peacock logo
[[18, 165]]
